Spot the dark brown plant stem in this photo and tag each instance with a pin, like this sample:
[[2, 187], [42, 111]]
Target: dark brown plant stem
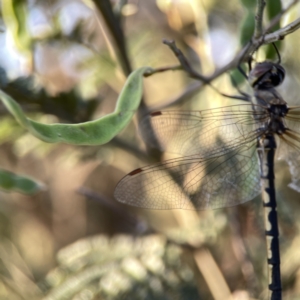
[[259, 18], [113, 23]]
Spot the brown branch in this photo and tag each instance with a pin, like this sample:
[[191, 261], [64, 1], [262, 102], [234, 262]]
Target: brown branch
[[277, 18], [151, 72], [259, 18], [242, 56], [183, 61], [194, 87], [114, 25], [282, 32]]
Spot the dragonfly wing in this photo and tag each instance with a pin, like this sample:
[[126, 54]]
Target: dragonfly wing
[[289, 148], [291, 136], [193, 182], [198, 132], [292, 119], [291, 155]]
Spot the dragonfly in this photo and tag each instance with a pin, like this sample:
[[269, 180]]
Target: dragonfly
[[226, 157]]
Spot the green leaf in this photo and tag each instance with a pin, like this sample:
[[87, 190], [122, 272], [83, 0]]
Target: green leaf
[[14, 14], [249, 4], [10, 182], [247, 28], [95, 132], [236, 77], [273, 8]]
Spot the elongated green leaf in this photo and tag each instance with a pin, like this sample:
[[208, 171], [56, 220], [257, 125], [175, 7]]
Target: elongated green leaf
[[10, 182], [249, 4], [247, 28], [273, 8], [95, 132]]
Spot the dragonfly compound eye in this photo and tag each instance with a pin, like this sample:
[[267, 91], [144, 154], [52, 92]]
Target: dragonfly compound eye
[[266, 75]]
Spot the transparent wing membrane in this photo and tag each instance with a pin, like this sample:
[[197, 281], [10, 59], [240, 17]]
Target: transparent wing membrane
[[292, 119], [193, 182], [196, 132], [218, 167], [289, 150]]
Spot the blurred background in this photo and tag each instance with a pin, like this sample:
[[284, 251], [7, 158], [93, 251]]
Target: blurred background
[[66, 61]]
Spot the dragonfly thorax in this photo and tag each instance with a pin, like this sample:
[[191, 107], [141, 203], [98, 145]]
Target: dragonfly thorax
[[276, 121], [267, 97]]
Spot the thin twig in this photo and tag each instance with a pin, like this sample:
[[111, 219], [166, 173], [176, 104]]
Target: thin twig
[[259, 18], [194, 87], [183, 61], [185, 65], [150, 72], [242, 56], [113, 23], [277, 18], [282, 32]]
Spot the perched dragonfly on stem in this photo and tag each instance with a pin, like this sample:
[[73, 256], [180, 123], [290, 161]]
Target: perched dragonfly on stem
[[227, 157]]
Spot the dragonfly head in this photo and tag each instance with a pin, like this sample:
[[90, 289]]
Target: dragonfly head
[[266, 75]]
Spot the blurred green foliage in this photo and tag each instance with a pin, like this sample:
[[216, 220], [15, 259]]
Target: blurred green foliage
[[66, 62], [15, 16], [95, 132], [121, 268], [273, 9], [68, 106], [11, 182]]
